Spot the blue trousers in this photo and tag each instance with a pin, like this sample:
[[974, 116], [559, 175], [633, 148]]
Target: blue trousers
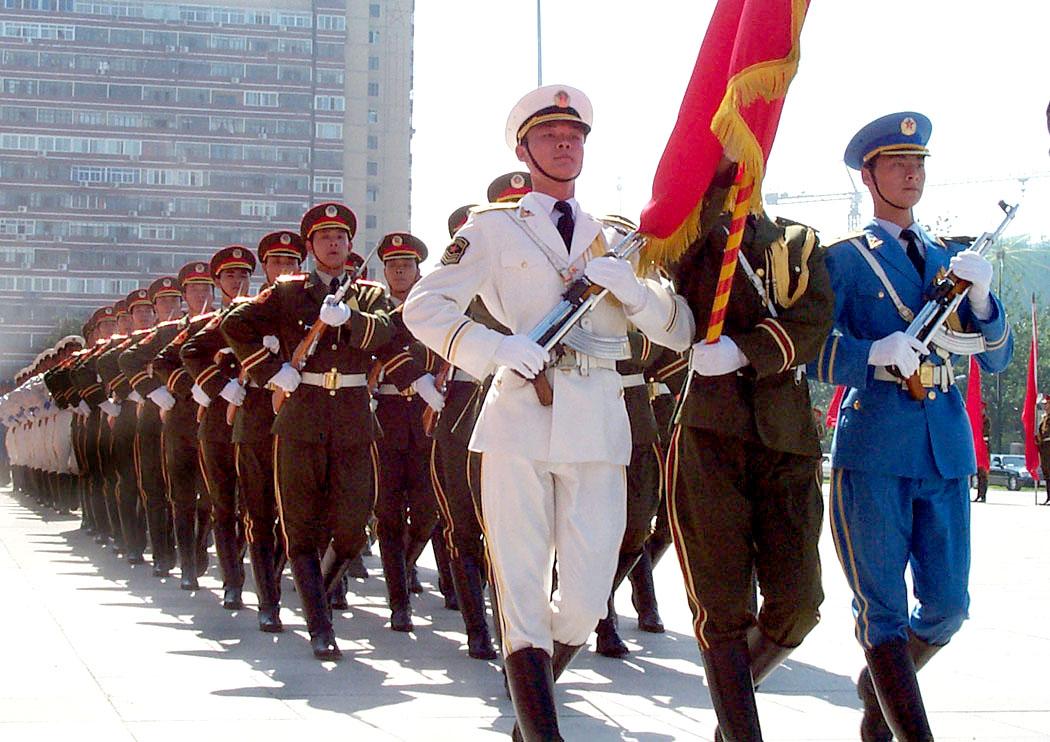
[[882, 524]]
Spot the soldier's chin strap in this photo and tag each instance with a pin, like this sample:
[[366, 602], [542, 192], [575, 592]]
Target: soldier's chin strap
[[878, 190], [539, 167]]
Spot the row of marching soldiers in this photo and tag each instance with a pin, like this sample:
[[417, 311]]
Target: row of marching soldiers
[[172, 424]]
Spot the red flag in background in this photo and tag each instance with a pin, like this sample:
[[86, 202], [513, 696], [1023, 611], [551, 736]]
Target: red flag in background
[[975, 411], [1031, 394], [732, 103], [831, 419]]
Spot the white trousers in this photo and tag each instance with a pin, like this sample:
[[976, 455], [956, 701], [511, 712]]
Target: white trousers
[[532, 510]]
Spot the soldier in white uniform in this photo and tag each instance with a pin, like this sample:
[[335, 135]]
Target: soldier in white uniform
[[552, 477]]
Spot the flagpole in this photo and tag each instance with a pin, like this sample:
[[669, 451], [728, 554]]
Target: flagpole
[[742, 188], [539, 47]]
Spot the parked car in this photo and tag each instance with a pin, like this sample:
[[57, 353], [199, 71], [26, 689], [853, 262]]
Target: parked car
[[1009, 469]]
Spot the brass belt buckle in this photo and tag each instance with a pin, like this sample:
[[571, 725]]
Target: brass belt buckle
[[926, 375], [331, 380]]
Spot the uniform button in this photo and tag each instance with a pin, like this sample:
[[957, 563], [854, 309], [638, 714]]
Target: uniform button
[[931, 395], [331, 393], [335, 347], [760, 272], [882, 294], [856, 404]]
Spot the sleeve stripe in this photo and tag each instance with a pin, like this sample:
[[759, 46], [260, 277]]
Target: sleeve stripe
[[1000, 341], [672, 368], [826, 360], [369, 331], [206, 375], [452, 338], [174, 378], [674, 316], [396, 362], [782, 340], [254, 359], [138, 378]]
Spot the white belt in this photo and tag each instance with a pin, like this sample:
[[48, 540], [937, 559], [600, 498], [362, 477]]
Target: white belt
[[942, 376], [391, 390], [334, 380], [572, 359], [632, 380], [459, 374], [658, 388]]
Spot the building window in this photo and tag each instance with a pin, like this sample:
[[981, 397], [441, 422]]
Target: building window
[[373, 10], [156, 232], [258, 208], [327, 76], [372, 194], [329, 131], [373, 141], [329, 103], [373, 63], [373, 37], [260, 99], [373, 90], [370, 221], [328, 184], [18, 226], [373, 116], [331, 23], [372, 168]]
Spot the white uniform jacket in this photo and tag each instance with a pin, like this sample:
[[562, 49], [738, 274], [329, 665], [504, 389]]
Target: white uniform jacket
[[495, 255]]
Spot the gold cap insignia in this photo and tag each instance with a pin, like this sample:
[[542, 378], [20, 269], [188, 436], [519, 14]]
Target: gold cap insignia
[[167, 283], [331, 211], [396, 240], [517, 180], [200, 268], [286, 239], [561, 99], [908, 126], [236, 253]]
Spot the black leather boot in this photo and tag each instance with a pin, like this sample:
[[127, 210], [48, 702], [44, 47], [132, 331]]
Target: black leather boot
[[334, 570], [643, 595], [186, 539], [728, 670], [766, 655], [466, 576], [357, 568], [230, 564], [609, 643], [531, 680], [264, 571], [393, 556], [873, 726], [306, 569], [444, 569]]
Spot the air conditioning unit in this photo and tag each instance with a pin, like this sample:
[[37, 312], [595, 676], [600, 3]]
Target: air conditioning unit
[[21, 236], [63, 266], [184, 49]]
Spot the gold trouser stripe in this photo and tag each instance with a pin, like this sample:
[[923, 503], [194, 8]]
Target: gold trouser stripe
[[844, 548], [442, 501], [700, 620], [373, 450], [136, 455], [164, 464], [246, 517], [277, 493]]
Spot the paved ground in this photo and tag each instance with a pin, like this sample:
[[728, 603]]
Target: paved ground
[[96, 650]]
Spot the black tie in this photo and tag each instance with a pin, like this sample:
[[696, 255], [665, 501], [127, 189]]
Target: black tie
[[333, 286], [911, 240], [565, 222]]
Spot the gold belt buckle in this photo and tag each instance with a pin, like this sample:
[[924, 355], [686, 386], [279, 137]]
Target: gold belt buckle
[[926, 375], [331, 380]]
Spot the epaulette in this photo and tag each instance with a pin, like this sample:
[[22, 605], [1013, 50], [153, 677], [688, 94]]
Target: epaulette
[[140, 333], [241, 299], [170, 322], [620, 223], [495, 207], [862, 235], [785, 222], [289, 277], [369, 284], [205, 315]]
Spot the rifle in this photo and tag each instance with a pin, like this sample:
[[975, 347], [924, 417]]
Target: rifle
[[580, 297], [308, 344], [430, 417], [930, 324]]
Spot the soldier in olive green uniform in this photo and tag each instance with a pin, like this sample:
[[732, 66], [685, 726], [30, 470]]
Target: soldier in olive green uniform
[[214, 371], [742, 490], [324, 446]]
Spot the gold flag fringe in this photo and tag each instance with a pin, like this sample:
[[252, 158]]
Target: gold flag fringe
[[769, 79]]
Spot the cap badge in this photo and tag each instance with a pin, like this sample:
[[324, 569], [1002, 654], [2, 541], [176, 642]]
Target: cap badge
[[286, 239], [200, 268], [236, 253], [330, 211], [517, 180], [142, 294], [908, 126], [167, 283], [396, 240], [561, 99]]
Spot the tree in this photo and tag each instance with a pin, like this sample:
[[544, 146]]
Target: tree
[[66, 325]]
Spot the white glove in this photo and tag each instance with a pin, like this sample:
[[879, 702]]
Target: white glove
[[426, 389], [271, 343], [83, 409], [233, 392], [134, 396], [976, 269], [718, 358], [334, 313], [287, 378], [618, 276], [110, 407], [162, 398], [519, 353], [200, 396], [900, 350]]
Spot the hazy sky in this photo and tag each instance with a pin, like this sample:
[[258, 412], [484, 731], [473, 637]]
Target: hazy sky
[[979, 70]]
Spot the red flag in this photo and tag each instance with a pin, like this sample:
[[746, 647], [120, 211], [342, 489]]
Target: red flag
[[1031, 394], [975, 411], [732, 103], [832, 418]]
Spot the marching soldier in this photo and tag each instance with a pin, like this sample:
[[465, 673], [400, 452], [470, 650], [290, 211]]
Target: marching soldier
[[742, 489], [166, 296], [214, 371], [324, 434], [901, 467], [1042, 441], [280, 254], [545, 469], [172, 393], [405, 508]]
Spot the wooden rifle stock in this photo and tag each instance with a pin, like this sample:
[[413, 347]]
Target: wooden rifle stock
[[430, 417], [945, 290]]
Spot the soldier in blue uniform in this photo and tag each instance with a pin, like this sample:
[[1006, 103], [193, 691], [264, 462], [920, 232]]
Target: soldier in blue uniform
[[899, 491]]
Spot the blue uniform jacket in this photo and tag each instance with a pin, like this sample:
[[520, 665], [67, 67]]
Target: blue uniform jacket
[[880, 427]]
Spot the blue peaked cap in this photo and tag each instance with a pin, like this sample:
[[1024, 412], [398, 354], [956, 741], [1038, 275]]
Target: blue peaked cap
[[904, 133]]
